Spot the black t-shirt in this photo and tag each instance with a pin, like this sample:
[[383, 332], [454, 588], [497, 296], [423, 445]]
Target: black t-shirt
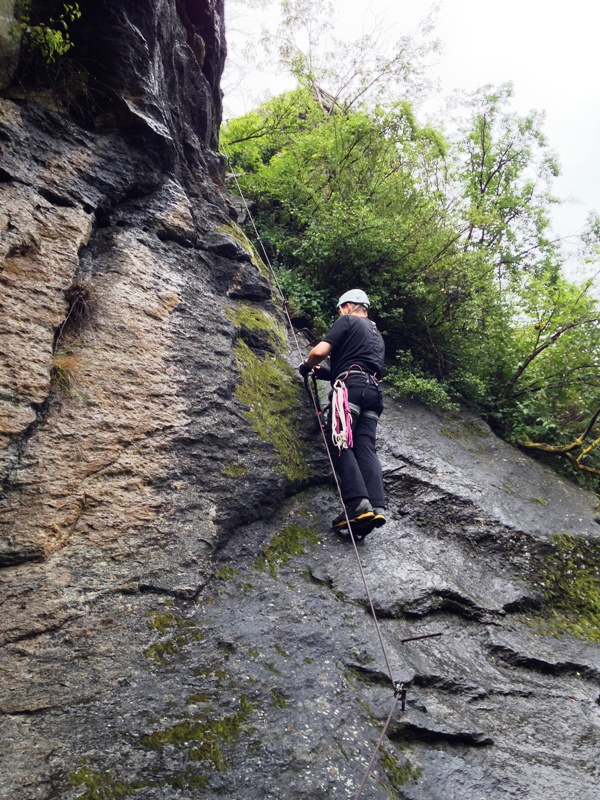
[[355, 340]]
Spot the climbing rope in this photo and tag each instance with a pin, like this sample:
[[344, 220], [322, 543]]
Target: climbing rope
[[341, 428], [360, 566], [266, 256], [371, 763], [345, 434]]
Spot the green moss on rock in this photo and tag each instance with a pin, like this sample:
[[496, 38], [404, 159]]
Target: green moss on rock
[[202, 736], [184, 631], [271, 394], [235, 470], [569, 579], [398, 773], [102, 786], [228, 573], [278, 698], [199, 697], [238, 235], [245, 315], [160, 621], [187, 779], [291, 541]]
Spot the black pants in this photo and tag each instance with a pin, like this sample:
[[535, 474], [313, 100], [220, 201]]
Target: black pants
[[358, 468]]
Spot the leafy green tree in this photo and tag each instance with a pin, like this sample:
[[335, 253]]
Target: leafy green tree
[[505, 171], [48, 35], [553, 390], [364, 72], [447, 231]]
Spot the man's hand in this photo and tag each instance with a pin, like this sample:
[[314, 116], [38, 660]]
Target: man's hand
[[322, 373], [304, 369]]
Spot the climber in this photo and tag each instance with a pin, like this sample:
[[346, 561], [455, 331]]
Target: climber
[[356, 351]]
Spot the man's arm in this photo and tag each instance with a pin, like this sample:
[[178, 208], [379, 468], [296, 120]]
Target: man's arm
[[318, 353]]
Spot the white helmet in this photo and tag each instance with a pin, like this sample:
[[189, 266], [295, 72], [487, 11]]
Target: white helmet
[[354, 296]]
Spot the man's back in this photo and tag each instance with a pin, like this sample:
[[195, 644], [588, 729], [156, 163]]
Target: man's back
[[355, 340]]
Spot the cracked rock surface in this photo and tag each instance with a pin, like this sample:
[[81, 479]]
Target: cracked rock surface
[[273, 681]]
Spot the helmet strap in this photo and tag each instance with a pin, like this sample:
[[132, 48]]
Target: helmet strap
[[357, 307]]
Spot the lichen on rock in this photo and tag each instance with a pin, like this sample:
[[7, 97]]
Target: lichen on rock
[[236, 233]]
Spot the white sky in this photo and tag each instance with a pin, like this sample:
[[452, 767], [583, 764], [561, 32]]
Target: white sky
[[549, 51]]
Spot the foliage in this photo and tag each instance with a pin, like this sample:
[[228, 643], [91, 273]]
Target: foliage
[[505, 170], [304, 298], [448, 230], [347, 74], [51, 36], [407, 379], [552, 390]]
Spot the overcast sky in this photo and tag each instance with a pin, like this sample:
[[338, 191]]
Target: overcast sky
[[549, 52]]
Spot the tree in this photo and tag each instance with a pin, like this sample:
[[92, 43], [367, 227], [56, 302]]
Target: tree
[[553, 389], [447, 231], [505, 171], [299, 40]]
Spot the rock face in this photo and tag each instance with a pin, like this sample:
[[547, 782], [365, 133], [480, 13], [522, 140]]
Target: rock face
[[9, 42], [177, 619]]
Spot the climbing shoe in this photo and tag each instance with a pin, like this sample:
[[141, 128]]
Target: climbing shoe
[[361, 514], [379, 517], [360, 529]]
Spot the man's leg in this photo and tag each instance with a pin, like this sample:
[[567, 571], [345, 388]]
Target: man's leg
[[364, 434], [365, 393], [354, 491], [349, 473]]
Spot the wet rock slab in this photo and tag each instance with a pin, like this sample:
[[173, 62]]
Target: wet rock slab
[[274, 683]]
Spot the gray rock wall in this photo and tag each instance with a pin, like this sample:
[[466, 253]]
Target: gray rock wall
[[9, 42], [177, 619]]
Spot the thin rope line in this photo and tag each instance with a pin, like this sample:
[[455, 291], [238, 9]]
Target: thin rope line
[[337, 483], [360, 567], [331, 464], [376, 751], [265, 254]]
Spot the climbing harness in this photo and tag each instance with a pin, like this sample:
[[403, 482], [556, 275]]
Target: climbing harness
[[344, 433], [369, 380]]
